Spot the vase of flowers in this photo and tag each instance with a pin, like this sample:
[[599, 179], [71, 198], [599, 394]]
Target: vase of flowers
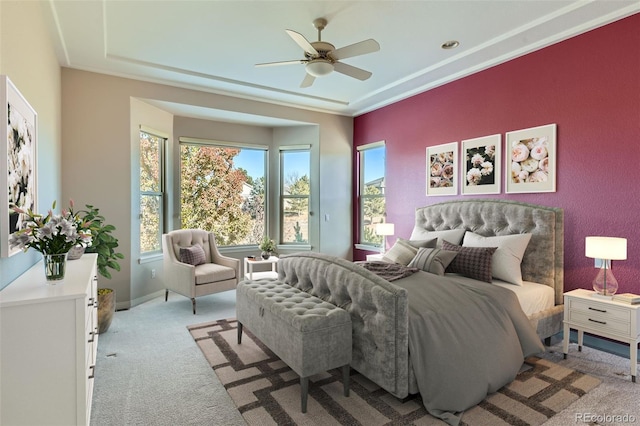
[[52, 235], [267, 246]]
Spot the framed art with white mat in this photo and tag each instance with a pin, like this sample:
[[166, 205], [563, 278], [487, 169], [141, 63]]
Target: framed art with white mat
[[531, 160], [481, 165], [19, 145], [442, 169]]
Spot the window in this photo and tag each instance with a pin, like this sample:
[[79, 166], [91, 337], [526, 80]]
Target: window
[[151, 191], [222, 189], [295, 193], [372, 191]]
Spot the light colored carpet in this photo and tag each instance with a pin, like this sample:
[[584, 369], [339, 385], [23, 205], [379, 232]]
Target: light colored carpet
[[266, 391], [151, 372]]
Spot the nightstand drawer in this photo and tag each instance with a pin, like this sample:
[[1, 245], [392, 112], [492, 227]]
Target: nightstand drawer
[[600, 322], [599, 310]]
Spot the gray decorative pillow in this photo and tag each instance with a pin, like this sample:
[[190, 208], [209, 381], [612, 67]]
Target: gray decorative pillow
[[433, 260], [452, 235], [193, 255], [402, 252], [431, 243], [472, 262]]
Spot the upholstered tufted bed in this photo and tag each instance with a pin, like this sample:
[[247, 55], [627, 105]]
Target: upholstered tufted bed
[[385, 314]]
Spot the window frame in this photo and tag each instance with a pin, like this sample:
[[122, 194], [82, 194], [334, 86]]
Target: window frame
[[161, 194], [282, 151], [362, 196]]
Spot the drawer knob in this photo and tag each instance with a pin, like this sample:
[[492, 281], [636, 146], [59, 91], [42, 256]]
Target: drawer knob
[[93, 371], [93, 337], [599, 322], [597, 310]]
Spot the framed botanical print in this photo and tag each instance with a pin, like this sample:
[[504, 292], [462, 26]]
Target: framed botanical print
[[442, 169], [481, 165], [18, 143], [531, 160]]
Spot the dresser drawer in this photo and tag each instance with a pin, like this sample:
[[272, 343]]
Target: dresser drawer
[[601, 311], [600, 322]]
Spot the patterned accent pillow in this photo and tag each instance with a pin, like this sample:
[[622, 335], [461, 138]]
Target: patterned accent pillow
[[433, 260], [472, 262], [193, 255], [402, 252]]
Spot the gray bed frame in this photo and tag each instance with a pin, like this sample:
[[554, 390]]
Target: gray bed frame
[[378, 309]]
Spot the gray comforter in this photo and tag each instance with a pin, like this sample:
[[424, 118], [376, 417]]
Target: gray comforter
[[465, 341]]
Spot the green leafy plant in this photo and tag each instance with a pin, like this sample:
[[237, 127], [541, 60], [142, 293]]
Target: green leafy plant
[[267, 245], [103, 243]]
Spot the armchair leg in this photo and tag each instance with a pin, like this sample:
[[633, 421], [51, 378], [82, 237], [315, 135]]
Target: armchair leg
[[166, 295], [193, 302]]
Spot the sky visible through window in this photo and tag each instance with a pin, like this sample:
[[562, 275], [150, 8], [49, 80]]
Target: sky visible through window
[[252, 160]]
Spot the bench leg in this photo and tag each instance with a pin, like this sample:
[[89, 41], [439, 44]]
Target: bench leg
[[239, 332], [304, 384], [193, 302], [345, 378]]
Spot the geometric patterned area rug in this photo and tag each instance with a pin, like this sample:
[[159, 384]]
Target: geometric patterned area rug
[[267, 392]]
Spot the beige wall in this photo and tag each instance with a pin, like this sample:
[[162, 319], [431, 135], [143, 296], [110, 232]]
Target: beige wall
[[98, 131], [27, 57]]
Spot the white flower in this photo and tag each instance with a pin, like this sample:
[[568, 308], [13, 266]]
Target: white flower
[[539, 152], [477, 159], [538, 176], [519, 153], [530, 165], [487, 168], [490, 150], [474, 176]]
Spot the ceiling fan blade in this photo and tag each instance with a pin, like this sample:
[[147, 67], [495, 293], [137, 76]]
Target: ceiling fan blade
[[271, 64], [302, 42], [308, 81], [356, 49], [351, 71]]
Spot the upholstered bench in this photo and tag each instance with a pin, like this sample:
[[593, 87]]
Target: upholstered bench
[[308, 334]]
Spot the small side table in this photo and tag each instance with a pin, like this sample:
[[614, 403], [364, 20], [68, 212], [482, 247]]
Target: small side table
[[250, 263], [602, 317]]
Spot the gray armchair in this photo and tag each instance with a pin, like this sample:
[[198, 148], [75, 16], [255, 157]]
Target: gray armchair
[[194, 267]]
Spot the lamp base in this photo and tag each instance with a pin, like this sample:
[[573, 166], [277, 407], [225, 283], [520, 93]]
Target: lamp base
[[601, 296], [605, 283]]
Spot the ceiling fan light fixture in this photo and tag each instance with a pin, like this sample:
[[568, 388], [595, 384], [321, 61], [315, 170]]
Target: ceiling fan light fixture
[[319, 67], [451, 44]]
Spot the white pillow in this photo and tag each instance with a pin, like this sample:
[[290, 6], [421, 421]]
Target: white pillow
[[507, 258], [401, 252], [454, 236]]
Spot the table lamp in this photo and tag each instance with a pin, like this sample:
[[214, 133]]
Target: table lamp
[[607, 249], [384, 229]]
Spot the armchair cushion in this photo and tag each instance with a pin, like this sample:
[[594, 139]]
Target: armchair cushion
[[212, 272], [193, 255]]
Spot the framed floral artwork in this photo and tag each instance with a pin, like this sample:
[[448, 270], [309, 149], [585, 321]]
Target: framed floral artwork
[[442, 169], [531, 160], [482, 163], [19, 144]]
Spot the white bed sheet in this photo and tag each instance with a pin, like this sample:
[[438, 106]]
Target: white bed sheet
[[533, 297]]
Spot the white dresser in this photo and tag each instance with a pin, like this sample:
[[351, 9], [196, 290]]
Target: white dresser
[[48, 345]]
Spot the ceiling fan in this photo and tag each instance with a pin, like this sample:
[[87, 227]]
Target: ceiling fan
[[321, 58]]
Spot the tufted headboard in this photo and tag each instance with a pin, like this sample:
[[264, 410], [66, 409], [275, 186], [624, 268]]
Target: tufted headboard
[[543, 261]]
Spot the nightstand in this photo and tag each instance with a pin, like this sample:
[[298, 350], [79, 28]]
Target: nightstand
[[602, 317], [375, 257]]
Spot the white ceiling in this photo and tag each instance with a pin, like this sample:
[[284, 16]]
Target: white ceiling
[[213, 45]]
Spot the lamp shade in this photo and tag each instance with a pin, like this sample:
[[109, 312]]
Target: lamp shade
[[610, 248], [385, 229]]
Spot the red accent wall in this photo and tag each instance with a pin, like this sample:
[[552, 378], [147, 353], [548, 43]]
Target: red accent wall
[[589, 86]]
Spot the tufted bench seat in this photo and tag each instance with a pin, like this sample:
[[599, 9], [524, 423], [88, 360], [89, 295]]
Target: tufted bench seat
[[308, 334]]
